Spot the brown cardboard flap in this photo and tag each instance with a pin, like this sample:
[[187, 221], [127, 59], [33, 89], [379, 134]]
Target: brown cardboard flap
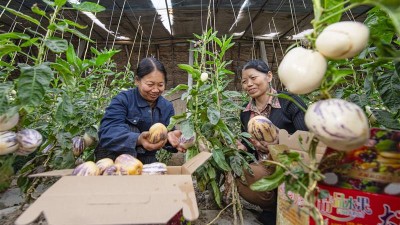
[[293, 141], [190, 166], [53, 173], [115, 200]]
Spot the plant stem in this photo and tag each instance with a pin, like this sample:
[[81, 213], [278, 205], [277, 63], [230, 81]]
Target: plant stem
[[49, 33]]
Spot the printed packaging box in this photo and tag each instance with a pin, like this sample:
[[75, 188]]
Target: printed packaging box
[[363, 185], [152, 199]]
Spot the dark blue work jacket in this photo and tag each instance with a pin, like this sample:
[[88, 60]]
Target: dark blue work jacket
[[125, 118]]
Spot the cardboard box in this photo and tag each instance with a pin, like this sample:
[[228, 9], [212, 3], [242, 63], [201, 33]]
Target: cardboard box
[[152, 199], [374, 167], [345, 206], [363, 202], [288, 213]]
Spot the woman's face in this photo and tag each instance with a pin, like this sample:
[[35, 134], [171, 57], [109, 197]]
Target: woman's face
[[255, 83], [151, 86]]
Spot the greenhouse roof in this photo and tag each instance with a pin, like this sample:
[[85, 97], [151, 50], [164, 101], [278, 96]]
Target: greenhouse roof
[[177, 20]]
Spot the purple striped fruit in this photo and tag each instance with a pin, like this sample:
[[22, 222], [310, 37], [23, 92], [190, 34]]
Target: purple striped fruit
[[104, 163], [262, 129], [8, 142], [29, 140], [88, 168], [339, 124]]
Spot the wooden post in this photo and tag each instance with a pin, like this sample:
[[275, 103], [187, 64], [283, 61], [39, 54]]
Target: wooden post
[[190, 78], [263, 52]]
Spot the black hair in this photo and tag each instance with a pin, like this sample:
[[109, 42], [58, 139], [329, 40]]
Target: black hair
[[258, 65], [148, 65]]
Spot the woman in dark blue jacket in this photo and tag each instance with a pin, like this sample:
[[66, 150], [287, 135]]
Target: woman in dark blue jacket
[[124, 127]]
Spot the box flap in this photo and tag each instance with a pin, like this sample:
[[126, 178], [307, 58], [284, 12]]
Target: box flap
[[115, 200], [293, 141], [190, 166], [54, 173]]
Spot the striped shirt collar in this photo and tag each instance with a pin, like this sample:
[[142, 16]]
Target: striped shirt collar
[[272, 101]]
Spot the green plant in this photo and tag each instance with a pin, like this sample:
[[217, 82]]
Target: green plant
[[211, 117], [368, 79], [54, 90]]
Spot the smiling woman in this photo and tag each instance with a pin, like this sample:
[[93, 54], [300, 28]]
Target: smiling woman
[[284, 114], [125, 126]]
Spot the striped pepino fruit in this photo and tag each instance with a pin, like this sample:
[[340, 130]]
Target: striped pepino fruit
[[157, 132], [88, 168], [262, 129]]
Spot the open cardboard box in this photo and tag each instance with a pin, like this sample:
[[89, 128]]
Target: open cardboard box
[[150, 199], [288, 213]]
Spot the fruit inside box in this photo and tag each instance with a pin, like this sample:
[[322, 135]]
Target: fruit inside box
[[374, 168]]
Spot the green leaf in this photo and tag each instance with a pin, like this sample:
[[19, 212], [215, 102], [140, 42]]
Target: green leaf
[[32, 83], [60, 2], [72, 23], [30, 42], [105, 56], [231, 94], [79, 34], [236, 166], [88, 7], [64, 110], [21, 15], [213, 115], [388, 86], [217, 192], [219, 158], [386, 119], [14, 35], [269, 183], [56, 45], [328, 5], [38, 11], [180, 87], [7, 49]]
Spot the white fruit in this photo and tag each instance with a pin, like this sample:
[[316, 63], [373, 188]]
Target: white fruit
[[302, 70], [342, 40], [339, 124]]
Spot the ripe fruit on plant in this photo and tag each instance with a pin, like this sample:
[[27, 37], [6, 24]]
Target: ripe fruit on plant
[[129, 165], [204, 77], [89, 140], [262, 129], [302, 70], [29, 140], [7, 122], [339, 124], [104, 163], [342, 40], [8, 142], [157, 132], [78, 145], [88, 168]]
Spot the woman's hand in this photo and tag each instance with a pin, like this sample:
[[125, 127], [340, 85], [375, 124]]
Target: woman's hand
[[143, 140], [241, 146], [261, 146], [173, 139]]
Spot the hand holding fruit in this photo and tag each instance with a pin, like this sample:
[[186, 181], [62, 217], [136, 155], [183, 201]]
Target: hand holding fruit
[[173, 139], [145, 140]]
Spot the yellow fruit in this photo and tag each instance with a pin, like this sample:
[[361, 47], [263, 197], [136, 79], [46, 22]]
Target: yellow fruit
[[104, 163], [157, 132], [88, 168], [129, 165]]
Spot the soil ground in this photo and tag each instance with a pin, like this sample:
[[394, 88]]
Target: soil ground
[[11, 200]]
